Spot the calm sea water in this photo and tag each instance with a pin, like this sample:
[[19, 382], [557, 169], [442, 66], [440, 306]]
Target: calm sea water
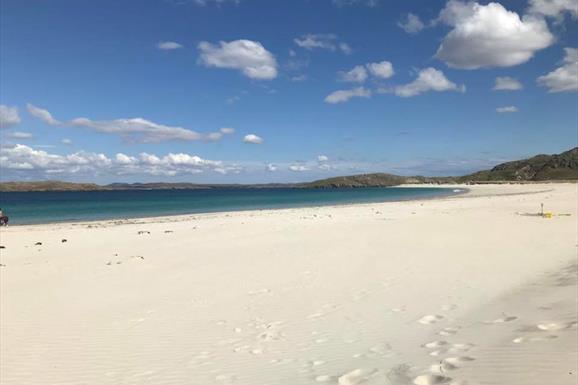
[[47, 207]]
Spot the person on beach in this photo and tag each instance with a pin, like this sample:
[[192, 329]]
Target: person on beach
[[3, 219]]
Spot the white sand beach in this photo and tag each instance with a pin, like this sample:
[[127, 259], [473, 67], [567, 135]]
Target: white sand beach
[[460, 290]]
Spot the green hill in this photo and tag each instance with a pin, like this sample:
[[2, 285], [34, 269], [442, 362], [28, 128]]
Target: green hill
[[562, 166]]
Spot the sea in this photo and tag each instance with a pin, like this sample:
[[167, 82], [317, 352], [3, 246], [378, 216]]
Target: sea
[[73, 206]]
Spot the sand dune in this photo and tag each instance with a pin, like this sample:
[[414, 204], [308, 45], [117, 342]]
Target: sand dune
[[462, 290]]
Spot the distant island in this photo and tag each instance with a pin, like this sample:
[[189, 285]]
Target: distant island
[[539, 168]]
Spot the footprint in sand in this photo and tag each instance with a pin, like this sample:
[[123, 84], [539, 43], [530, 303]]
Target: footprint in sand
[[449, 331], [552, 327], [430, 319], [435, 344], [461, 347], [324, 378], [502, 320], [520, 340], [452, 349], [377, 351], [431, 379], [459, 360], [358, 377]]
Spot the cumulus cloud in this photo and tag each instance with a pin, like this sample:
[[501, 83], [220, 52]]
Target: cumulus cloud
[[554, 8], [271, 167], [168, 45], [252, 139], [383, 69], [506, 83], [134, 130], [411, 24], [326, 41], [247, 56], [485, 36], [298, 168], [8, 116], [507, 109], [357, 75], [428, 79], [360, 73], [564, 78], [342, 96], [20, 158], [42, 114], [322, 158]]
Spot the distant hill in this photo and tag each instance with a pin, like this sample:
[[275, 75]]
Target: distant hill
[[185, 186], [374, 180], [562, 166], [50, 185]]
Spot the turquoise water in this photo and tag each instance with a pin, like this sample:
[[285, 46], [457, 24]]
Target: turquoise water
[[48, 207]]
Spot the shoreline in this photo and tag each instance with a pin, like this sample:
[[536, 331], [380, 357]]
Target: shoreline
[[464, 191]]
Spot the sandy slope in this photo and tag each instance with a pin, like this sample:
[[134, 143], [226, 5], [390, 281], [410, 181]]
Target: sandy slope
[[459, 290]]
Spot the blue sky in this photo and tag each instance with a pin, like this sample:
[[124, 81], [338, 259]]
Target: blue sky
[[268, 91]]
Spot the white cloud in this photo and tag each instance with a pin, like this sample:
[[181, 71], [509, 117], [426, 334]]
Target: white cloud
[[506, 83], [506, 109], [298, 168], [564, 78], [322, 158], [360, 73], [168, 45], [271, 167], [252, 139], [42, 114], [383, 69], [554, 8], [8, 116], [412, 24], [227, 130], [20, 158], [140, 130], [356, 75], [134, 130], [20, 135], [485, 36], [299, 78], [342, 96], [345, 48], [66, 142], [247, 56], [429, 79], [326, 41]]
